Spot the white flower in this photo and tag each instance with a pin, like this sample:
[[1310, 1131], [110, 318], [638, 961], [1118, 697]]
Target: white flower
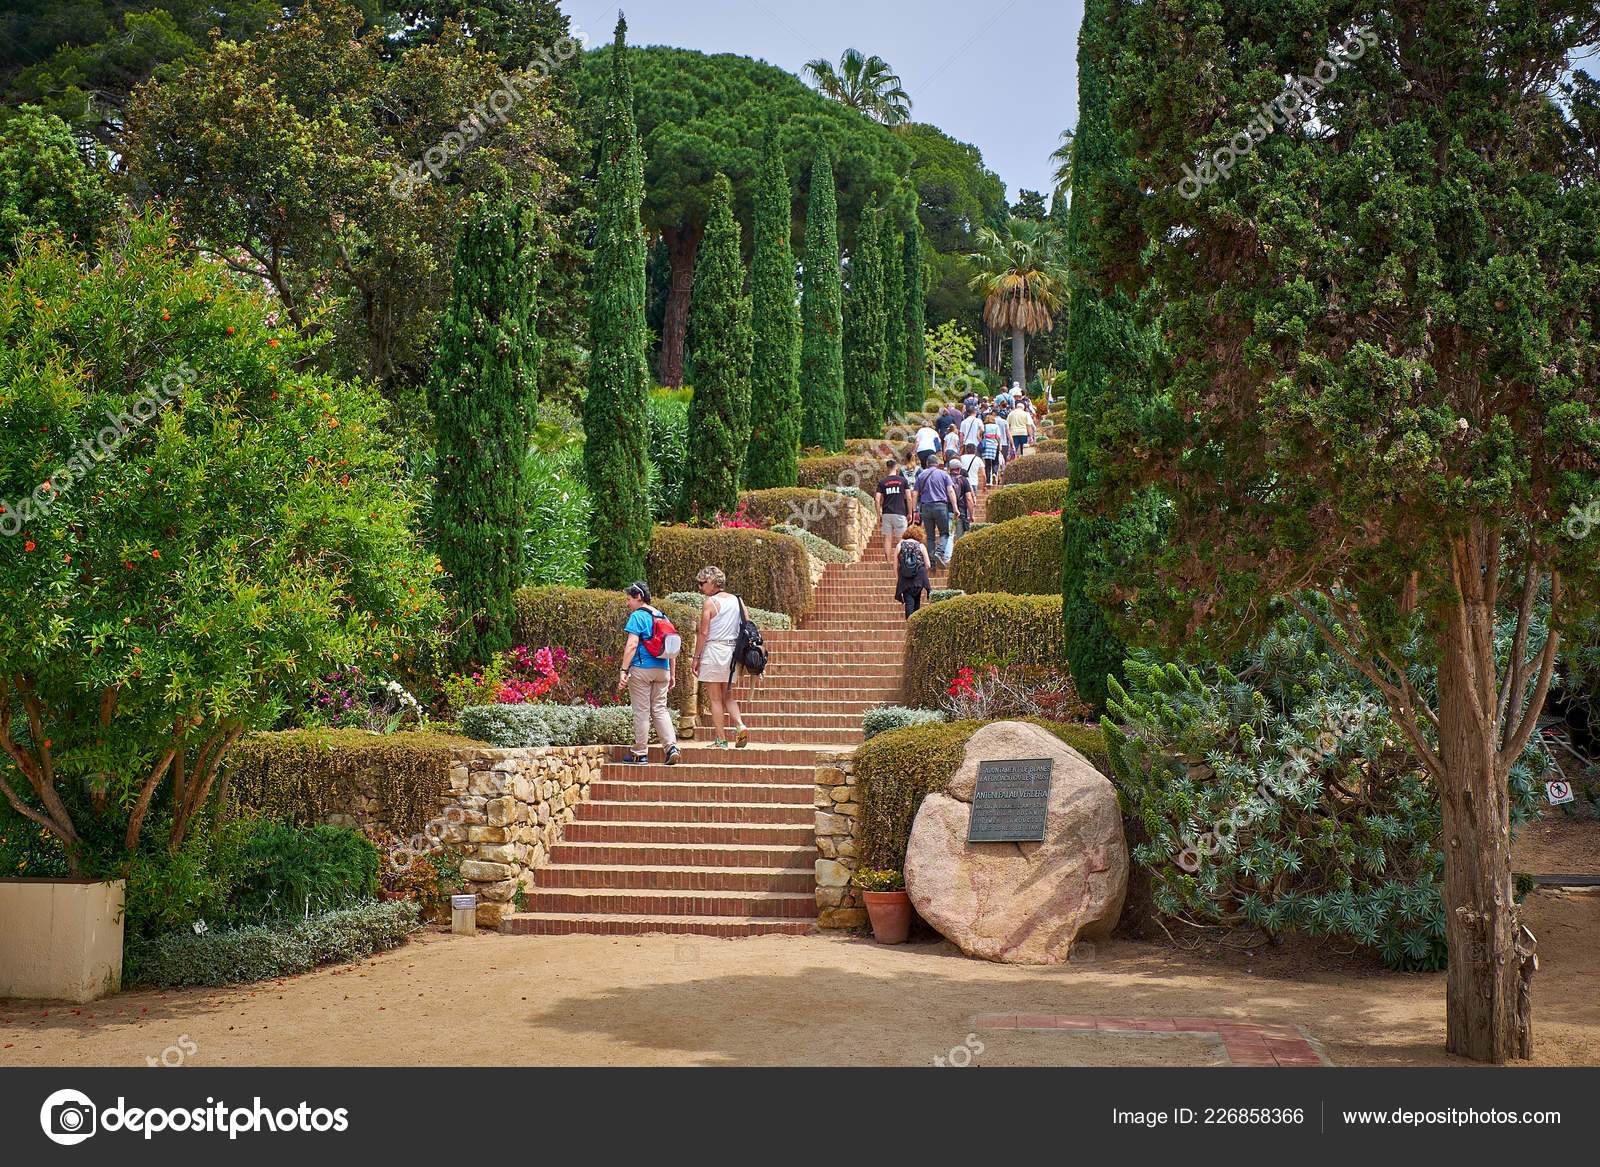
[[199, 927]]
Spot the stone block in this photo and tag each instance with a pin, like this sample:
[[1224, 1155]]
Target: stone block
[[832, 824], [844, 794], [487, 835], [479, 871], [826, 847], [491, 913], [829, 897], [831, 873], [849, 808], [842, 918], [831, 776], [498, 892], [498, 852], [846, 847], [500, 812]]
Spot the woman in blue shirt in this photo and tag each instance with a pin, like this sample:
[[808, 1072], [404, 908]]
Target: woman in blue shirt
[[647, 678]]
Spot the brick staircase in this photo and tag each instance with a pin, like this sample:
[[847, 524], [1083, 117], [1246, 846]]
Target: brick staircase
[[723, 844]]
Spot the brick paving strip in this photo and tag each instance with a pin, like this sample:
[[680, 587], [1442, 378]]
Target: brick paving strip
[[1248, 1044]]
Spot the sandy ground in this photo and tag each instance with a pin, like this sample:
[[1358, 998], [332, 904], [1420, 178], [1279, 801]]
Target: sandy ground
[[829, 1000]]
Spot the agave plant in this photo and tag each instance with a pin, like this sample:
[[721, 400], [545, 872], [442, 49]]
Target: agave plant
[[863, 83]]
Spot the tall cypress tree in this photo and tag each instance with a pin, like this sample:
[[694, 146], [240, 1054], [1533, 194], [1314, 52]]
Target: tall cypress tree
[[894, 314], [775, 370], [916, 365], [483, 390], [614, 451], [822, 402], [719, 328], [864, 381]]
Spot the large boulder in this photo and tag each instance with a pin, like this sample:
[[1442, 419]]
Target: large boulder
[[1021, 903]]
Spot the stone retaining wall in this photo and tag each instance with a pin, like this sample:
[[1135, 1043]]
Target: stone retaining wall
[[839, 902]]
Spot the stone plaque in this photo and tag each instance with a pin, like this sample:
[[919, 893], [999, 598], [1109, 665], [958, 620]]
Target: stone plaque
[[1010, 799]]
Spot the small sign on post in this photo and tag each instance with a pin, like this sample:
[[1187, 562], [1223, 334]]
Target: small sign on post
[[1009, 801], [464, 915], [1558, 792]]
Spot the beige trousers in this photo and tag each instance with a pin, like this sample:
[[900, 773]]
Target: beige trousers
[[647, 691]]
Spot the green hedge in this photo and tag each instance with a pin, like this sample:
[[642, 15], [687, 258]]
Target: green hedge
[[825, 513], [262, 952], [588, 622], [819, 547], [1013, 502], [769, 570], [764, 619], [301, 775], [883, 718], [861, 470], [1051, 446], [896, 769], [938, 594], [1019, 556], [514, 727], [952, 634], [1034, 468]]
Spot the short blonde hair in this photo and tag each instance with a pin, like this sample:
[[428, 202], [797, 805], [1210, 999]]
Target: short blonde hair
[[712, 575]]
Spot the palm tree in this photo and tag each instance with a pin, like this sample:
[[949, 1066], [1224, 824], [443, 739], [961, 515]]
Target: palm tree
[[863, 83], [1062, 157], [1024, 285]]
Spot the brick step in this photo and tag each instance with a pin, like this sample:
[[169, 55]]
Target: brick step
[[776, 687], [693, 854], [801, 721], [821, 737], [881, 674], [659, 833], [730, 772], [803, 705], [696, 754], [607, 789], [629, 901], [630, 877], [644, 811], [564, 924]]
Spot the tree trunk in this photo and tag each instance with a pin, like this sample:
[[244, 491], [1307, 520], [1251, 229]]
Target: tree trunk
[[683, 247], [1019, 357], [1487, 1006]]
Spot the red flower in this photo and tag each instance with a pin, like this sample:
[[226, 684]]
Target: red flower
[[28, 546]]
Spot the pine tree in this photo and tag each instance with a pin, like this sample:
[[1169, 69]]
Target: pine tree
[[483, 390], [916, 365], [719, 327], [775, 369], [864, 372], [894, 315], [614, 452], [822, 402]]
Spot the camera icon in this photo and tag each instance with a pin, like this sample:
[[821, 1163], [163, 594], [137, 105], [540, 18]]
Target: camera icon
[[68, 1117]]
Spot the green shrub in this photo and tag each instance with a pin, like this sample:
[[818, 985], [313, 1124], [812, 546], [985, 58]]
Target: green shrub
[[1013, 502], [587, 623], [987, 628], [764, 619], [938, 594], [819, 511], [1034, 468], [556, 545], [838, 470], [260, 952], [1051, 446], [290, 871], [770, 571], [172, 889], [865, 498], [1020, 556], [819, 548], [522, 726], [886, 717], [899, 767], [667, 419]]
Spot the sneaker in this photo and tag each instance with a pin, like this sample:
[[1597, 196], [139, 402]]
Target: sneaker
[[635, 759], [742, 738], [673, 756], [719, 744]]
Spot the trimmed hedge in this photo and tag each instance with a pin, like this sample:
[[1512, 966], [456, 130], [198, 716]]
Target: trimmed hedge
[[953, 634], [1034, 468], [882, 718], [262, 952], [1051, 446], [819, 547], [764, 619], [299, 774], [587, 622], [770, 571], [839, 470], [1019, 556], [819, 511], [533, 725], [896, 769], [938, 594], [1013, 502]]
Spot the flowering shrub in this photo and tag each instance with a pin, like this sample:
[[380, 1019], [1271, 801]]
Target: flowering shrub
[[741, 519], [348, 699], [519, 676], [1017, 690]]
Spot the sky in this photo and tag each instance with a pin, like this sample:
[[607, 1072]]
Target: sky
[[1001, 75]]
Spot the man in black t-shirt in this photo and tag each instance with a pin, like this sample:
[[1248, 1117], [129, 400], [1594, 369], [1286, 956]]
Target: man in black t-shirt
[[892, 505]]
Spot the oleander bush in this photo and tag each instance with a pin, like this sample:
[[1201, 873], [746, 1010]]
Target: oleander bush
[[259, 952], [1013, 502], [819, 548], [531, 726], [587, 624], [885, 717], [1019, 556], [764, 620], [770, 571], [822, 512], [991, 628], [897, 768], [1034, 468]]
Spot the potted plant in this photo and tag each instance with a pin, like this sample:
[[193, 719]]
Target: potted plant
[[888, 906]]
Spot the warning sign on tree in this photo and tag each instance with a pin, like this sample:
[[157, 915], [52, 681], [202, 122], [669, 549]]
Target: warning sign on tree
[[1559, 792]]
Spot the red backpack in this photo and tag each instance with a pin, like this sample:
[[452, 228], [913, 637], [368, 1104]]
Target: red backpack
[[663, 641]]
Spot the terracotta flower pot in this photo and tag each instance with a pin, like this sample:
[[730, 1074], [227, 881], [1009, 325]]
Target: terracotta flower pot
[[890, 913]]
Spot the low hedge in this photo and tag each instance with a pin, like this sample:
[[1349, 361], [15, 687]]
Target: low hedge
[[1013, 502], [1019, 556], [300, 774], [942, 638], [819, 548], [769, 570], [896, 769], [1034, 468], [262, 952], [764, 619], [839, 470], [515, 727], [938, 594], [882, 718], [822, 512], [588, 623], [1051, 446]]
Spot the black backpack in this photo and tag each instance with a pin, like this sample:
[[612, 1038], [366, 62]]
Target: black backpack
[[910, 561], [748, 651]]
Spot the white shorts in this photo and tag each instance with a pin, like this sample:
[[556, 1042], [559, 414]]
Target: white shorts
[[716, 661]]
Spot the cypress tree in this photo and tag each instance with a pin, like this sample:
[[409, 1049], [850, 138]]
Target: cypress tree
[[483, 390], [719, 325], [864, 371], [894, 315], [614, 451], [822, 317], [775, 370], [916, 305]]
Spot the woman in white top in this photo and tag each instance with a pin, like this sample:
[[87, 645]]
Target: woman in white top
[[720, 617]]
